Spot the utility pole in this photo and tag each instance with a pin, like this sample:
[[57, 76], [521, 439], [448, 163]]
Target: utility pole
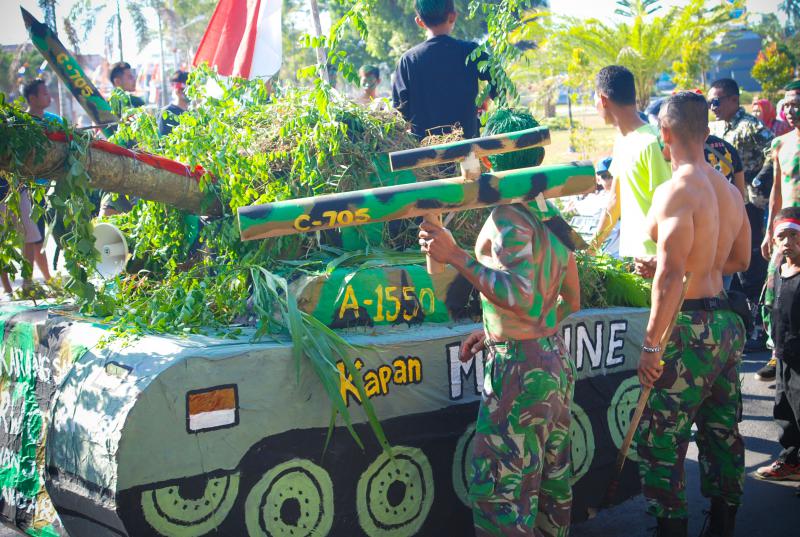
[[119, 32], [163, 97], [322, 59]]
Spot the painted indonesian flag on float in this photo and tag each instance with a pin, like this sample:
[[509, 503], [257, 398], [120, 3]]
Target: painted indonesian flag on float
[[243, 39]]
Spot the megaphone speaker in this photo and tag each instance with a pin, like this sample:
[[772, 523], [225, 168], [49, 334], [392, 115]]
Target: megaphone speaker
[[110, 242]]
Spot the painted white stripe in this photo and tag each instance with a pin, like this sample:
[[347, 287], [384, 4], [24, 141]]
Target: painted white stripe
[[215, 418]]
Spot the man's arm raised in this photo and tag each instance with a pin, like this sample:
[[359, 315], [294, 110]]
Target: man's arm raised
[[671, 211]]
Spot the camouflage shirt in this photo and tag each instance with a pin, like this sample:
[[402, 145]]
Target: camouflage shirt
[[752, 140], [523, 262]]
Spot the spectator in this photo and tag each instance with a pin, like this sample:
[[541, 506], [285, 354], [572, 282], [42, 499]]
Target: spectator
[[637, 166], [752, 141], [764, 111], [786, 193], [370, 77], [38, 98], [168, 117], [785, 327], [124, 83], [435, 84]]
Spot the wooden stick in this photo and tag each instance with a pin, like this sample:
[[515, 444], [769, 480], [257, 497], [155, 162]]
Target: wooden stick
[[643, 398]]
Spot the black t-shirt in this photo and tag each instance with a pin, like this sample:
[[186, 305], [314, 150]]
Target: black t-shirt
[[3, 189], [168, 118], [435, 86], [723, 156], [786, 317]]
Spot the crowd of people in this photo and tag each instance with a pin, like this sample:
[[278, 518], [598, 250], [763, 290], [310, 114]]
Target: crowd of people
[[32, 220], [697, 210]]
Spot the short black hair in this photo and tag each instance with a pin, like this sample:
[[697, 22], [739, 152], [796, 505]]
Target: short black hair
[[788, 212], [117, 69], [32, 88], [617, 83], [367, 70], [179, 77], [728, 86], [686, 114], [434, 12]]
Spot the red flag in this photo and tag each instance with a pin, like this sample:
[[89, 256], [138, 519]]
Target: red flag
[[243, 38]]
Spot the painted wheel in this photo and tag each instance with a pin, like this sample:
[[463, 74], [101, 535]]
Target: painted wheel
[[394, 495], [172, 514], [581, 442], [623, 404], [462, 465], [293, 499]]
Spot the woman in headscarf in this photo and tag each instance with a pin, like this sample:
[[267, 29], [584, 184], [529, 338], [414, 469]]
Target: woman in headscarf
[[765, 111]]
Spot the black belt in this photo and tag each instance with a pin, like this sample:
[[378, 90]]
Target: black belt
[[706, 304]]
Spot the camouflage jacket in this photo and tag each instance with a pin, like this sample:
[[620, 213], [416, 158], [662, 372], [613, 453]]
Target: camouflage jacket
[[524, 264], [752, 140]]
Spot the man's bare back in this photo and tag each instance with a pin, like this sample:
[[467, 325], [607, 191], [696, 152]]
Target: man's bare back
[[699, 208]]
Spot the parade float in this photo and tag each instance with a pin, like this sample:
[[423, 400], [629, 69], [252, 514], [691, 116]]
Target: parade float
[[276, 359]]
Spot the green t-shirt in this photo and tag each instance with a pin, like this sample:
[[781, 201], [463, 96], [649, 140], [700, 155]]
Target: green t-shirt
[[639, 166], [787, 148]]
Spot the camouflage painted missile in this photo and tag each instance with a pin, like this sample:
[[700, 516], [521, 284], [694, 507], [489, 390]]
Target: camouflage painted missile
[[69, 71], [455, 151], [411, 200]]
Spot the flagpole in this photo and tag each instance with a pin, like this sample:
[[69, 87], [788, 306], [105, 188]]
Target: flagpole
[[322, 59]]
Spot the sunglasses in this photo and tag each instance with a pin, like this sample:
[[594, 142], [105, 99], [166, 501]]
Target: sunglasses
[[716, 101], [604, 176]]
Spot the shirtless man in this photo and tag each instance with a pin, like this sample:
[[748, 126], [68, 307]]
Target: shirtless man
[[700, 227]]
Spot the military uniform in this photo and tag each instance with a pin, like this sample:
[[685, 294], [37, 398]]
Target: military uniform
[[699, 384], [752, 140], [521, 457]]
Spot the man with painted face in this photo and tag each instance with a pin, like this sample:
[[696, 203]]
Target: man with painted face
[[699, 224], [168, 116], [786, 166], [369, 77], [528, 280]]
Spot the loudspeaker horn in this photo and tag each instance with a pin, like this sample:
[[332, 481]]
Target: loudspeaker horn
[[110, 242]]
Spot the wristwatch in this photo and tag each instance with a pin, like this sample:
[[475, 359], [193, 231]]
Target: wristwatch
[[651, 350]]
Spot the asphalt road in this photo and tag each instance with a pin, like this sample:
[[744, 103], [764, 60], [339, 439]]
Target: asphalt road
[[769, 509]]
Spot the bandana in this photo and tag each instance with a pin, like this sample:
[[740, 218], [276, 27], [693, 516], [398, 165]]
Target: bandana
[[786, 223]]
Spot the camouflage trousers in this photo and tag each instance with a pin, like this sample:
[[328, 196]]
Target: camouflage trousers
[[700, 384], [521, 458], [769, 295]]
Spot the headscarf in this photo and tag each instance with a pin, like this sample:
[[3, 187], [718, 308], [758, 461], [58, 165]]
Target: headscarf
[[768, 113]]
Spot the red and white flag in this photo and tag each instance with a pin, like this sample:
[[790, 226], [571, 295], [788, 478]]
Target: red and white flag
[[243, 38]]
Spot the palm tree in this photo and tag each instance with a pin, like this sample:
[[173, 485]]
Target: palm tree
[[649, 45], [84, 16]]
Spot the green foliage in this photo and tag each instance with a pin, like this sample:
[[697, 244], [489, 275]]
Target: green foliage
[[503, 19], [773, 69], [608, 282]]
